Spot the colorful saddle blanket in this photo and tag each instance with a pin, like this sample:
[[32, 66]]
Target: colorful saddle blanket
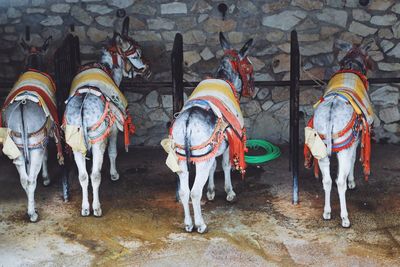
[[98, 78], [39, 85], [97, 81], [350, 86], [219, 95]]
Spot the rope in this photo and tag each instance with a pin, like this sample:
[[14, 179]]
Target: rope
[[272, 151], [318, 81]]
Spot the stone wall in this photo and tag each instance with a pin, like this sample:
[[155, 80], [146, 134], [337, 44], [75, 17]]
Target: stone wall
[[323, 25]]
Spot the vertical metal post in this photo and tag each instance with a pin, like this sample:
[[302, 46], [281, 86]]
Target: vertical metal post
[[177, 85], [67, 61], [294, 113], [177, 73]]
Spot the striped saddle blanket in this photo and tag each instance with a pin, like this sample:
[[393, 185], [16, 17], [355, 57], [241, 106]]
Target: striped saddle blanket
[[350, 86], [37, 86], [221, 98], [98, 78], [218, 95]]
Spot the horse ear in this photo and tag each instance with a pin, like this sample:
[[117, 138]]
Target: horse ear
[[24, 45], [125, 27], [343, 45], [224, 43], [46, 43], [245, 48], [367, 45]]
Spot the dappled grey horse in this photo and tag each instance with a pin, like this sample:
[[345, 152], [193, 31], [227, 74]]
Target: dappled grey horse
[[341, 127], [201, 134], [93, 111], [30, 123]]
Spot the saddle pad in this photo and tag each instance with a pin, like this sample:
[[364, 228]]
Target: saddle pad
[[219, 95], [350, 86], [95, 77], [39, 85]]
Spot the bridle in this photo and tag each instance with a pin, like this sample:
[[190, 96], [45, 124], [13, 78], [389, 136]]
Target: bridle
[[351, 58], [115, 50], [245, 69]]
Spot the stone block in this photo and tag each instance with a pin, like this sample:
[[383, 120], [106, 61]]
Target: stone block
[[99, 9], [390, 114], [160, 24], [361, 29], [333, 16], [173, 8], [292, 18], [152, 100], [386, 95]]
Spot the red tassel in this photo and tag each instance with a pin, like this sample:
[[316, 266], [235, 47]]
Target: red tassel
[[129, 129]]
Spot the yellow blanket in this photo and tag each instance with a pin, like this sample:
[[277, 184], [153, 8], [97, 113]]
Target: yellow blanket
[[95, 77], [221, 91], [40, 82], [350, 86]]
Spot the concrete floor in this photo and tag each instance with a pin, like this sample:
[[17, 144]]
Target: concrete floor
[[142, 225]]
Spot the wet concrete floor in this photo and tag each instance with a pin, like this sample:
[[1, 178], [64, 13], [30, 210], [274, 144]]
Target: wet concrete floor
[[142, 224]]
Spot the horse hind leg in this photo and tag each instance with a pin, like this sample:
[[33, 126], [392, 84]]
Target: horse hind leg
[[80, 161], [344, 159], [98, 150], [226, 165], [327, 184], [28, 180], [202, 172], [351, 181], [45, 173], [112, 154], [184, 192], [211, 185]]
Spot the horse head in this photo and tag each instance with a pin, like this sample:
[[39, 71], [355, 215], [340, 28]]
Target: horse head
[[35, 54], [356, 57], [236, 67], [131, 53]]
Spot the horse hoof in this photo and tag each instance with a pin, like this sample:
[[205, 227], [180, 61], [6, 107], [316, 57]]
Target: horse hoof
[[189, 228], [210, 195], [327, 215], [33, 217], [352, 184], [97, 212], [114, 177], [46, 181], [231, 197], [202, 229], [85, 212], [345, 222]]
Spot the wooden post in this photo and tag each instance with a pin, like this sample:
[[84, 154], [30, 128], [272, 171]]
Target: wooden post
[[294, 113], [177, 73]]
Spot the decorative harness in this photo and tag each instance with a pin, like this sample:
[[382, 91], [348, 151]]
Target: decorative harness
[[41, 86], [359, 123], [115, 109], [229, 125]]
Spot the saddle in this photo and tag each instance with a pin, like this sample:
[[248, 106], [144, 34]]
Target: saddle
[[221, 97], [353, 87], [37, 87], [97, 80]]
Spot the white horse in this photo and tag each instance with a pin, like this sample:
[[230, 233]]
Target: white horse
[[193, 127], [336, 120], [29, 123], [86, 110]]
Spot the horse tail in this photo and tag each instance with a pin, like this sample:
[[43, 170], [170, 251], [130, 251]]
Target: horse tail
[[329, 130], [187, 140], [83, 124], [24, 136]]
